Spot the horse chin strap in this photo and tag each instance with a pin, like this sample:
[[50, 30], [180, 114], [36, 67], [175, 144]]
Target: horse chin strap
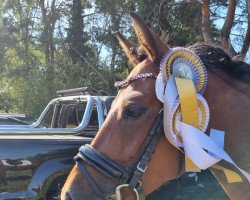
[[126, 177]]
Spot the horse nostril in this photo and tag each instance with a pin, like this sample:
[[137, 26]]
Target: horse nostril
[[68, 197]]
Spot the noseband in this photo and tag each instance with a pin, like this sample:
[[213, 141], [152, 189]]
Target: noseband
[[125, 177]]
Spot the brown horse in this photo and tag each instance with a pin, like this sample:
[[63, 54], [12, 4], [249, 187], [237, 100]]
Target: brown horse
[[136, 108]]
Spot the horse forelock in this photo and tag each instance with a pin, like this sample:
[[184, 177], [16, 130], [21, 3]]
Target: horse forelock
[[146, 66]]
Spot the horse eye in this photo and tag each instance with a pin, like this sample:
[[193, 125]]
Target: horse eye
[[134, 112]]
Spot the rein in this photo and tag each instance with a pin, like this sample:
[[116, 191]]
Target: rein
[[126, 177]]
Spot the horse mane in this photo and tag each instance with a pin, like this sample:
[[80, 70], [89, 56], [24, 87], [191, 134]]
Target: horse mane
[[217, 59]]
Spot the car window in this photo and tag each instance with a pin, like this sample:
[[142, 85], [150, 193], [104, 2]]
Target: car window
[[47, 121], [93, 121], [70, 115], [75, 114]]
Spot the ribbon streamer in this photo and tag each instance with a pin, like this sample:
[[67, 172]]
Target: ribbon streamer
[[218, 137], [189, 111], [196, 142]]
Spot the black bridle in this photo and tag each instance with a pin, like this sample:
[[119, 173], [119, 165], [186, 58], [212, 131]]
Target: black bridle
[[125, 177]]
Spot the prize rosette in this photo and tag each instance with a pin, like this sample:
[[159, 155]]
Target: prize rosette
[[176, 118], [184, 63], [179, 86]]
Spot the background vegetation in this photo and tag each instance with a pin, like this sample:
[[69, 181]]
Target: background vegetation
[[47, 45]]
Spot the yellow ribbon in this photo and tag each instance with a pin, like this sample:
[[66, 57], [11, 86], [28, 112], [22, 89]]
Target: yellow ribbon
[[232, 177], [189, 111]]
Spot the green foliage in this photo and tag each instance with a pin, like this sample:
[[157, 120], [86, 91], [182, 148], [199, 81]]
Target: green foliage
[[49, 47]]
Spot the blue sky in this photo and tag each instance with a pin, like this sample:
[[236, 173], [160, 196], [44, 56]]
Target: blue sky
[[239, 29]]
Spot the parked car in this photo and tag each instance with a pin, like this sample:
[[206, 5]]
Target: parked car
[[15, 119], [36, 159]]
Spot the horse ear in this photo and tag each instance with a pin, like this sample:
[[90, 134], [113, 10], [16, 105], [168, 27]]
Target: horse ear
[[129, 48], [151, 43]]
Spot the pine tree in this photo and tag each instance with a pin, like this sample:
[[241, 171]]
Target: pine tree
[[76, 38]]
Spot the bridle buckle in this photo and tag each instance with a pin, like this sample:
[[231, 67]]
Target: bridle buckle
[[141, 169], [118, 194]]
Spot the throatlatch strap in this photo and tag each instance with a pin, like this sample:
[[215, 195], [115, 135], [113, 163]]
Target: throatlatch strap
[[189, 110]]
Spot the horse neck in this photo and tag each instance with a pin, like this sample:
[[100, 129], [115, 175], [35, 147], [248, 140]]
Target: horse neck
[[229, 105]]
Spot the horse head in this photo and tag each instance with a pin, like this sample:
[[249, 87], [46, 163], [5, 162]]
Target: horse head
[[130, 154]]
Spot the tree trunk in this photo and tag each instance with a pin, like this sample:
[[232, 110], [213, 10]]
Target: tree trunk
[[115, 26], [45, 31], [49, 18], [226, 29], [206, 24], [52, 21]]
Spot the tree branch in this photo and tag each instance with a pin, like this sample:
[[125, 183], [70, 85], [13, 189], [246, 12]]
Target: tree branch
[[227, 26], [206, 24]]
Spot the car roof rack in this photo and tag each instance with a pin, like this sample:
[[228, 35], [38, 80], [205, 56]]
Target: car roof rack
[[74, 92]]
